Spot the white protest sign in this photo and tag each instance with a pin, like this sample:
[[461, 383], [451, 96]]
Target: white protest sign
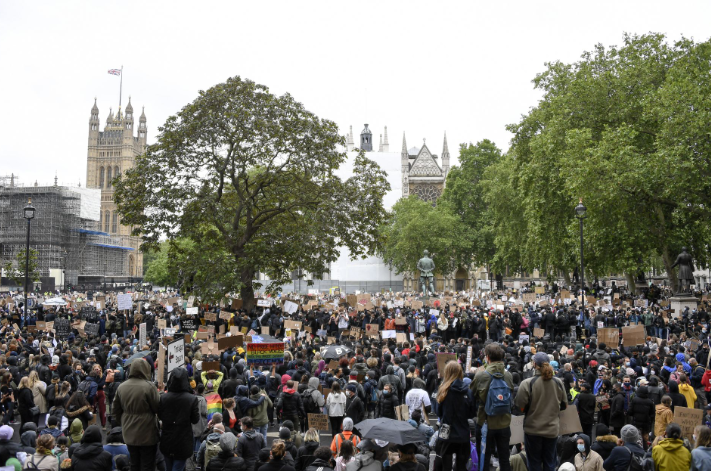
[[191, 311], [124, 301], [263, 303], [389, 334], [176, 354], [290, 307], [142, 338], [434, 312]]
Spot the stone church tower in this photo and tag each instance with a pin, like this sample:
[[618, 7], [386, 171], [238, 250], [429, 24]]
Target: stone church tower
[[111, 153], [421, 174]]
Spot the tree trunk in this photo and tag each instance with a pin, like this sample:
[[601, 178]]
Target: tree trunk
[[631, 286], [246, 292], [671, 273], [566, 277]]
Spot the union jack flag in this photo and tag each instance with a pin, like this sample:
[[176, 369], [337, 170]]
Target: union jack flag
[[115, 71]]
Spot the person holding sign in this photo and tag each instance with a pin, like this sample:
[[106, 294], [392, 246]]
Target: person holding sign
[[541, 398]]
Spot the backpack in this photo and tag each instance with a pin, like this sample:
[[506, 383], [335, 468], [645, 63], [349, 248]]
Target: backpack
[[31, 463], [498, 399], [85, 388], [109, 376], [343, 439], [310, 406], [639, 463], [373, 399], [212, 449]]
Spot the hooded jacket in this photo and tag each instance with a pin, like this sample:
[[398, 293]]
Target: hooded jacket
[[604, 444], [671, 455], [178, 410], [136, 406], [290, 403], [592, 461], [259, 413], [663, 416], [545, 398], [689, 394], [248, 446], [701, 458], [90, 454], [641, 409], [480, 389], [457, 406], [619, 459]]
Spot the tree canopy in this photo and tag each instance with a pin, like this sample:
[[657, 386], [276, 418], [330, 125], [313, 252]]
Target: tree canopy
[[249, 178], [627, 130]]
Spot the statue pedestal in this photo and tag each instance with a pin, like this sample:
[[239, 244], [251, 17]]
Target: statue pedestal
[[679, 302]]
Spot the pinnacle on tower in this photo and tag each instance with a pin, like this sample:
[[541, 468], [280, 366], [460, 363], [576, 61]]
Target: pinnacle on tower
[[404, 144], [445, 149], [386, 144], [380, 144], [350, 144]]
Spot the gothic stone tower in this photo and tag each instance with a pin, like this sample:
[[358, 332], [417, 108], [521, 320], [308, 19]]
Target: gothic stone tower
[[110, 153], [421, 174]]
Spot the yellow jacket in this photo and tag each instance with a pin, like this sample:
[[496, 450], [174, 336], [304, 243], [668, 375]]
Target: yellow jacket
[[671, 455], [689, 394]]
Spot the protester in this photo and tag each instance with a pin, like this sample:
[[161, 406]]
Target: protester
[[177, 412], [90, 454], [671, 454], [43, 458], [455, 405]]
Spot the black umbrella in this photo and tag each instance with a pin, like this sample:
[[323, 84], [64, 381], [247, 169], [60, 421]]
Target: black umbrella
[[334, 352], [137, 356], [390, 430]]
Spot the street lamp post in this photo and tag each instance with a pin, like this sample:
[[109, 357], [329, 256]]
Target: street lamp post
[[28, 213], [64, 273], [580, 210]]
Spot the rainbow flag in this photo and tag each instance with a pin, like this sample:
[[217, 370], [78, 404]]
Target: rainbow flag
[[214, 404]]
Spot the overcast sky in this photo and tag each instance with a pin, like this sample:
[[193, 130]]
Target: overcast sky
[[420, 67]]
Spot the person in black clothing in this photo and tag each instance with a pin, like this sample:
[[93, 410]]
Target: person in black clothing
[[641, 409], [322, 461], [228, 388], [90, 454], [388, 403], [677, 398], [617, 408], [226, 458], [178, 411], [586, 402], [354, 406], [291, 405]]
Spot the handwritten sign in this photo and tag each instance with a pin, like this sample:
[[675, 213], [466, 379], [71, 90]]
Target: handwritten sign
[[211, 316], [226, 315], [265, 353], [372, 329], [609, 337], [294, 325], [176, 354], [539, 333], [233, 341], [124, 302], [633, 335], [318, 421], [688, 419]]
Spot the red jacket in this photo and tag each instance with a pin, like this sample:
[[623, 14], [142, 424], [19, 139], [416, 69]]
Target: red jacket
[[706, 380]]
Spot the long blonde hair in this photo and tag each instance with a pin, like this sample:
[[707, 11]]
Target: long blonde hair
[[24, 383], [452, 372], [33, 378]]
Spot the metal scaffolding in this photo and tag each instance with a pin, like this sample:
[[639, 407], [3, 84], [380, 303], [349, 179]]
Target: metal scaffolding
[[65, 231]]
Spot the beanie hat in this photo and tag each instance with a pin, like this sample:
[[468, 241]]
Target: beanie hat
[[284, 433], [288, 424], [629, 434], [6, 432], [352, 387], [227, 442]]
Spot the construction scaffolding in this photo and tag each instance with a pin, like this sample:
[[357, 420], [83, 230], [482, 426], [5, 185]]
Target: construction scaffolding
[[65, 233]]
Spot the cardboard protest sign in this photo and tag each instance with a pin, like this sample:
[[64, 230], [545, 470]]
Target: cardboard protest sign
[[124, 302], [417, 305], [209, 348], [402, 412], [330, 340], [191, 311], [688, 419], [210, 366], [290, 307], [318, 421], [91, 329], [226, 315], [516, 429], [372, 329], [41, 325], [633, 335], [294, 325], [443, 358], [265, 353], [188, 324], [211, 316], [540, 290], [333, 365], [233, 341], [161, 324], [62, 328], [569, 421], [610, 337], [401, 337], [263, 303], [538, 332], [265, 330], [352, 300]]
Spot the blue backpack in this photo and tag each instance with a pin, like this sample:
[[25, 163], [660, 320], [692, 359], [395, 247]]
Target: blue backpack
[[498, 399], [597, 386]]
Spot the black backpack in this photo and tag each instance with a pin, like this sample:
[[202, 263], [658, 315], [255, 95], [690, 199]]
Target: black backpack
[[639, 463], [310, 406]]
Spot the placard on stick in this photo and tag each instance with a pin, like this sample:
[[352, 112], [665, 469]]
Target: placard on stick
[[318, 421], [402, 412]]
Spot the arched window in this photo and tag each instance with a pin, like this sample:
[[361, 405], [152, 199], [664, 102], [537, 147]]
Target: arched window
[[116, 171], [101, 220], [107, 221], [114, 223], [108, 177], [101, 177]]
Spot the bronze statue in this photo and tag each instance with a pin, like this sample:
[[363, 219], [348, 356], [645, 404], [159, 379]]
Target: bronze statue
[[426, 266], [686, 271]]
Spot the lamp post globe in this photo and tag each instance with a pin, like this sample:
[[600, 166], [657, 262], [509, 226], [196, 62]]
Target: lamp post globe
[[28, 212]]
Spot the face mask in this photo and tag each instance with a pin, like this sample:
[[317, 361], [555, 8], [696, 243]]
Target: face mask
[[581, 448], [627, 364], [366, 377]]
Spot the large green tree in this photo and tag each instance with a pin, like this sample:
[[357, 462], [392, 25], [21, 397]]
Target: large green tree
[[250, 179], [612, 129], [415, 225], [464, 195]]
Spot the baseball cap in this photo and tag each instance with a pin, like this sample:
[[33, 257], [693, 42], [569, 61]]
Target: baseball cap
[[540, 358]]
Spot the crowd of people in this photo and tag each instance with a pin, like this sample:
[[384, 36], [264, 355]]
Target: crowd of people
[[86, 401]]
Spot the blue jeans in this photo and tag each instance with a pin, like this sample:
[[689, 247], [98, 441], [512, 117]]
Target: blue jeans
[[174, 465], [263, 430], [540, 452]]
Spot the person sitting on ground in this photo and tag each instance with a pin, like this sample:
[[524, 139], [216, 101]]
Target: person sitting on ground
[[211, 445], [604, 442], [115, 443], [90, 454], [52, 428], [226, 459], [43, 458], [322, 461]]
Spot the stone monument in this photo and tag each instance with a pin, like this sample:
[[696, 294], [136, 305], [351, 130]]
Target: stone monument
[[683, 297], [426, 267]]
